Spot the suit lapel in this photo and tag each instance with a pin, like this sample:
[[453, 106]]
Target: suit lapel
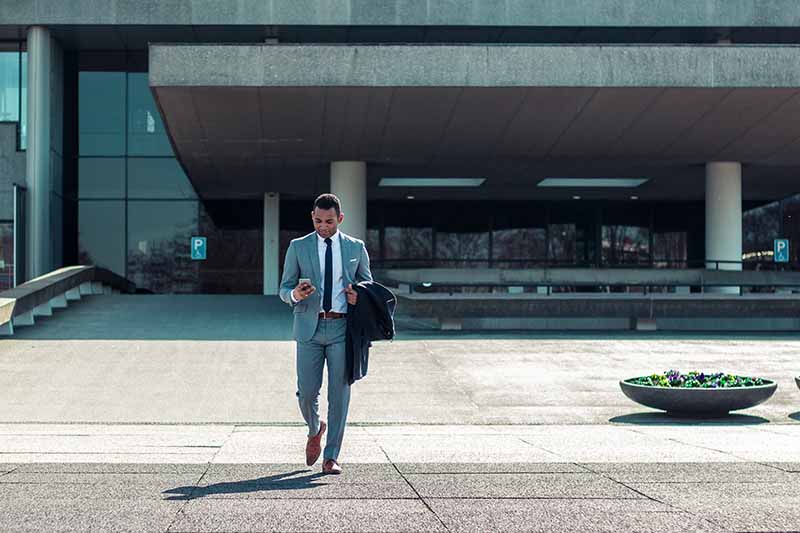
[[344, 248], [313, 256]]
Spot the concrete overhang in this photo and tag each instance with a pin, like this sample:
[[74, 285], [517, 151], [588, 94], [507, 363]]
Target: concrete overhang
[[542, 13], [245, 119]]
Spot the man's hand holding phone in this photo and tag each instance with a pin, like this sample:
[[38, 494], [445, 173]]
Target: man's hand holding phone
[[303, 290]]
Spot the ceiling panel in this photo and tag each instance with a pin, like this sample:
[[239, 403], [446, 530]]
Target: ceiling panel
[[602, 120], [417, 120], [670, 116], [736, 113]]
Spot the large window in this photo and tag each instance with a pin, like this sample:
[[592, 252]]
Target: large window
[[137, 209], [14, 88], [625, 236], [462, 236], [408, 236], [159, 237], [519, 237], [9, 86], [146, 132], [101, 113], [101, 234], [760, 227]]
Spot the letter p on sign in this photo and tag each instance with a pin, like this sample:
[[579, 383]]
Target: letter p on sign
[[781, 251], [198, 247]]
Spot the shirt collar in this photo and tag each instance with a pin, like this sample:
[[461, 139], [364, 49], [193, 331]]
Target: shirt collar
[[334, 238]]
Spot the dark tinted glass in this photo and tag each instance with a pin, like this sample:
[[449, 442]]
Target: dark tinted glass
[[101, 113]]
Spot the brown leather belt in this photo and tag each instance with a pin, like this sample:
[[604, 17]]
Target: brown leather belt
[[332, 314]]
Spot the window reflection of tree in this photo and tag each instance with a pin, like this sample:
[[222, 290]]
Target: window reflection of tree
[[408, 247], [670, 249], [166, 266], [563, 245], [760, 226], [625, 245], [520, 247], [462, 250]]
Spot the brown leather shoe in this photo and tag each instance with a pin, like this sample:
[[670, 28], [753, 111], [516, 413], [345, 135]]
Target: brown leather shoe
[[330, 466], [313, 446]]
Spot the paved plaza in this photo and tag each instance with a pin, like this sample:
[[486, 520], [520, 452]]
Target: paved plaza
[[157, 413]]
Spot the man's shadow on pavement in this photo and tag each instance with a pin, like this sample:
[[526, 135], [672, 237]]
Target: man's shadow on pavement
[[283, 481]]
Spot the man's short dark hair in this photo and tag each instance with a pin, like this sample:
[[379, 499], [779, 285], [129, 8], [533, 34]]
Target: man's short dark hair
[[327, 201]]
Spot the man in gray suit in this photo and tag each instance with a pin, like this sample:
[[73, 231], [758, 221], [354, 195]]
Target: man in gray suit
[[329, 259]]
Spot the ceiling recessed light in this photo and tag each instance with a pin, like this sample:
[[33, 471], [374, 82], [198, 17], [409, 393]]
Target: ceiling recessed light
[[634, 197], [431, 182], [591, 182], [576, 197], [410, 197]]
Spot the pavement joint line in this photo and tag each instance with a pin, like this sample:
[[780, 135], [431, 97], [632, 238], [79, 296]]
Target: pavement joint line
[[197, 483], [647, 496], [412, 487], [540, 448], [449, 375]]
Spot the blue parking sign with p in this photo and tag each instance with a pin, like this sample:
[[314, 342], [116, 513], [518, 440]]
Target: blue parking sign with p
[[198, 247], [781, 251]]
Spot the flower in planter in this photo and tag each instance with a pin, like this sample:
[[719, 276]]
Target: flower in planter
[[695, 379]]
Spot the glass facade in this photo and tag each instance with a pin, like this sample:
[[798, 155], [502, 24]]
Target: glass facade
[[14, 88], [137, 210]]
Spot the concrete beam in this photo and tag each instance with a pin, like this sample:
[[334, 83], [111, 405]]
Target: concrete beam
[[85, 289], [7, 328], [292, 65], [547, 13], [97, 287]]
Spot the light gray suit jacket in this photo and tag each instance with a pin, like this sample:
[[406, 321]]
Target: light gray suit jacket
[[302, 261]]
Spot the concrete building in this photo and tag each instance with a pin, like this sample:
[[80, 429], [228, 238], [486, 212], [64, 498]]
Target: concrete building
[[511, 134]]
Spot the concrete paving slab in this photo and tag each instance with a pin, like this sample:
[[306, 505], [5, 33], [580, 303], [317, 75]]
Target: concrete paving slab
[[565, 515], [71, 366], [738, 506], [754, 444], [489, 468], [574, 485], [287, 445], [297, 515], [455, 449], [110, 468], [787, 467], [196, 458], [92, 487], [37, 515], [374, 481], [737, 472]]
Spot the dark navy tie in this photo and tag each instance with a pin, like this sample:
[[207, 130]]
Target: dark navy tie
[[328, 294]]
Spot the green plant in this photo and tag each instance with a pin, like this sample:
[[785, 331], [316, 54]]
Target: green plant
[[695, 379]]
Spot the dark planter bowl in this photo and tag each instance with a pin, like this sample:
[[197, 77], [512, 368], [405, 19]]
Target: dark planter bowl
[[698, 401]]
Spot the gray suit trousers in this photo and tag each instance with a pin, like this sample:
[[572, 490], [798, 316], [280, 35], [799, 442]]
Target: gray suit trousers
[[327, 344]]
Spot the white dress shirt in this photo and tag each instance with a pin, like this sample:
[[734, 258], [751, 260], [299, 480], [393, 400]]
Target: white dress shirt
[[338, 296]]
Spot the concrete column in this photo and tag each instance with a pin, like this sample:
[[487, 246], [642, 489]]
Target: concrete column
[[272, 232], [724, 218], [349, 183], [38, 152]]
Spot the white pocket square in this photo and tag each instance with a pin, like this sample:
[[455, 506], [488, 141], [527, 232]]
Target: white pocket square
[[353, 260]]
